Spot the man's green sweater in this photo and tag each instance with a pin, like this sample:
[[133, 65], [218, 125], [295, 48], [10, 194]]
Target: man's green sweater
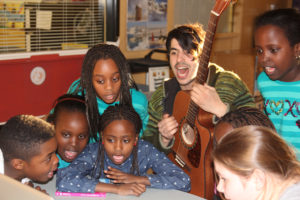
[[229, 86]]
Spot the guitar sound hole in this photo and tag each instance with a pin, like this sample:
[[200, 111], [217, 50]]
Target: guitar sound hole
[[188, 134]]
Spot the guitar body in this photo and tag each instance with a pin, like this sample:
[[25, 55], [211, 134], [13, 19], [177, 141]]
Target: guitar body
[[194, 156]]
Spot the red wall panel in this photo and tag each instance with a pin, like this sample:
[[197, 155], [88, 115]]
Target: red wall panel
[[19, 95]]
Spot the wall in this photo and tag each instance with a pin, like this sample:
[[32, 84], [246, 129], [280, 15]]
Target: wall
[[199, 11], [21, 96], [250, 10]]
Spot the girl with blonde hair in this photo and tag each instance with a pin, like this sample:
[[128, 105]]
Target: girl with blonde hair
[[254, 162]]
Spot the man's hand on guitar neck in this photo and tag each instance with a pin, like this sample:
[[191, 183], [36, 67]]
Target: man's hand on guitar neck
[[207, 98], [167, 127]]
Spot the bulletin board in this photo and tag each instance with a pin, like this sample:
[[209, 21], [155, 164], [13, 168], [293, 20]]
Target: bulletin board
[[124, 29], [146, 24]]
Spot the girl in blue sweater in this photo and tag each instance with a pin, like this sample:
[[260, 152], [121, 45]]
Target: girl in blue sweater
[[119, 163]]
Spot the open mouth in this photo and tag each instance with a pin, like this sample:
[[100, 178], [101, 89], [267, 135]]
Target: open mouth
[[182, 70], [118, 159], [70, 155], [51, 173], [110, 97], [269, 70]]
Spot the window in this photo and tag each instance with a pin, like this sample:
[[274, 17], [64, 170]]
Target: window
[[46, 25]]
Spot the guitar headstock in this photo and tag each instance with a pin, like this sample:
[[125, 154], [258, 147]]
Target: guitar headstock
[[221, 5]]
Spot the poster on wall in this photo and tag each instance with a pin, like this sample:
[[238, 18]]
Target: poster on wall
[[146, 24], [296, 4], [12, 14]]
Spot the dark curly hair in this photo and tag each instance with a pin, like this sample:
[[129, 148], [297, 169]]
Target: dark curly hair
[[67, 102], [22, 136], [288, 19]]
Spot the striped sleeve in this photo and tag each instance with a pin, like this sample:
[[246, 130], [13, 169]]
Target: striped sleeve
[[155, 110], [233, 91]]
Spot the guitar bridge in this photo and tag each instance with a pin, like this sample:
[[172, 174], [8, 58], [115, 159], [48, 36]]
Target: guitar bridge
[[181, 163]]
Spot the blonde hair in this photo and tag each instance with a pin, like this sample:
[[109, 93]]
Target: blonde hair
[[254, 147]]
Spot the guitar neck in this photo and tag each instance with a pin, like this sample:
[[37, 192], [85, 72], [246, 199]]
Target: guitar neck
[[206, 51], [203, 64]]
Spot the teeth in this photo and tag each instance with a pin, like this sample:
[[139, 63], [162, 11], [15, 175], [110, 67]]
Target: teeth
[[70, 154], [50, 174], [118, 158], [182, 71], [270, 69], [180, 68], [109, 96]]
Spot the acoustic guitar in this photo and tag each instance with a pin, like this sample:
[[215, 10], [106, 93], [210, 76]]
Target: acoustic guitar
[[193, 141]]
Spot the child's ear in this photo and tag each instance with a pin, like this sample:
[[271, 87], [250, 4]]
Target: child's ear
[[259, 178], [17, 163], [297, 49]]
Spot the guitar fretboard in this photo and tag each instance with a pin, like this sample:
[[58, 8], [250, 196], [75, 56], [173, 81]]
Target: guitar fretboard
[[203, 65]]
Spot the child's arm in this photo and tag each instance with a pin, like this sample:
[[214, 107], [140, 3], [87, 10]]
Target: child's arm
[[121, 177], [167, 174], [74, 177], [121, 189]]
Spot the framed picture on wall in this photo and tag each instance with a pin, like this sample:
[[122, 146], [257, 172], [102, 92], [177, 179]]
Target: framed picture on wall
[[146, 24], [296, 4]]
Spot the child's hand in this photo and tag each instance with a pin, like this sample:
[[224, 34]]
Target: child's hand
[[40, 189], [119, 176], [30, 183], [131, 189]]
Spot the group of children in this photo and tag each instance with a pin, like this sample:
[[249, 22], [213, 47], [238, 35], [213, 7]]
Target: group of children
[[96, 137], [99, 123]]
